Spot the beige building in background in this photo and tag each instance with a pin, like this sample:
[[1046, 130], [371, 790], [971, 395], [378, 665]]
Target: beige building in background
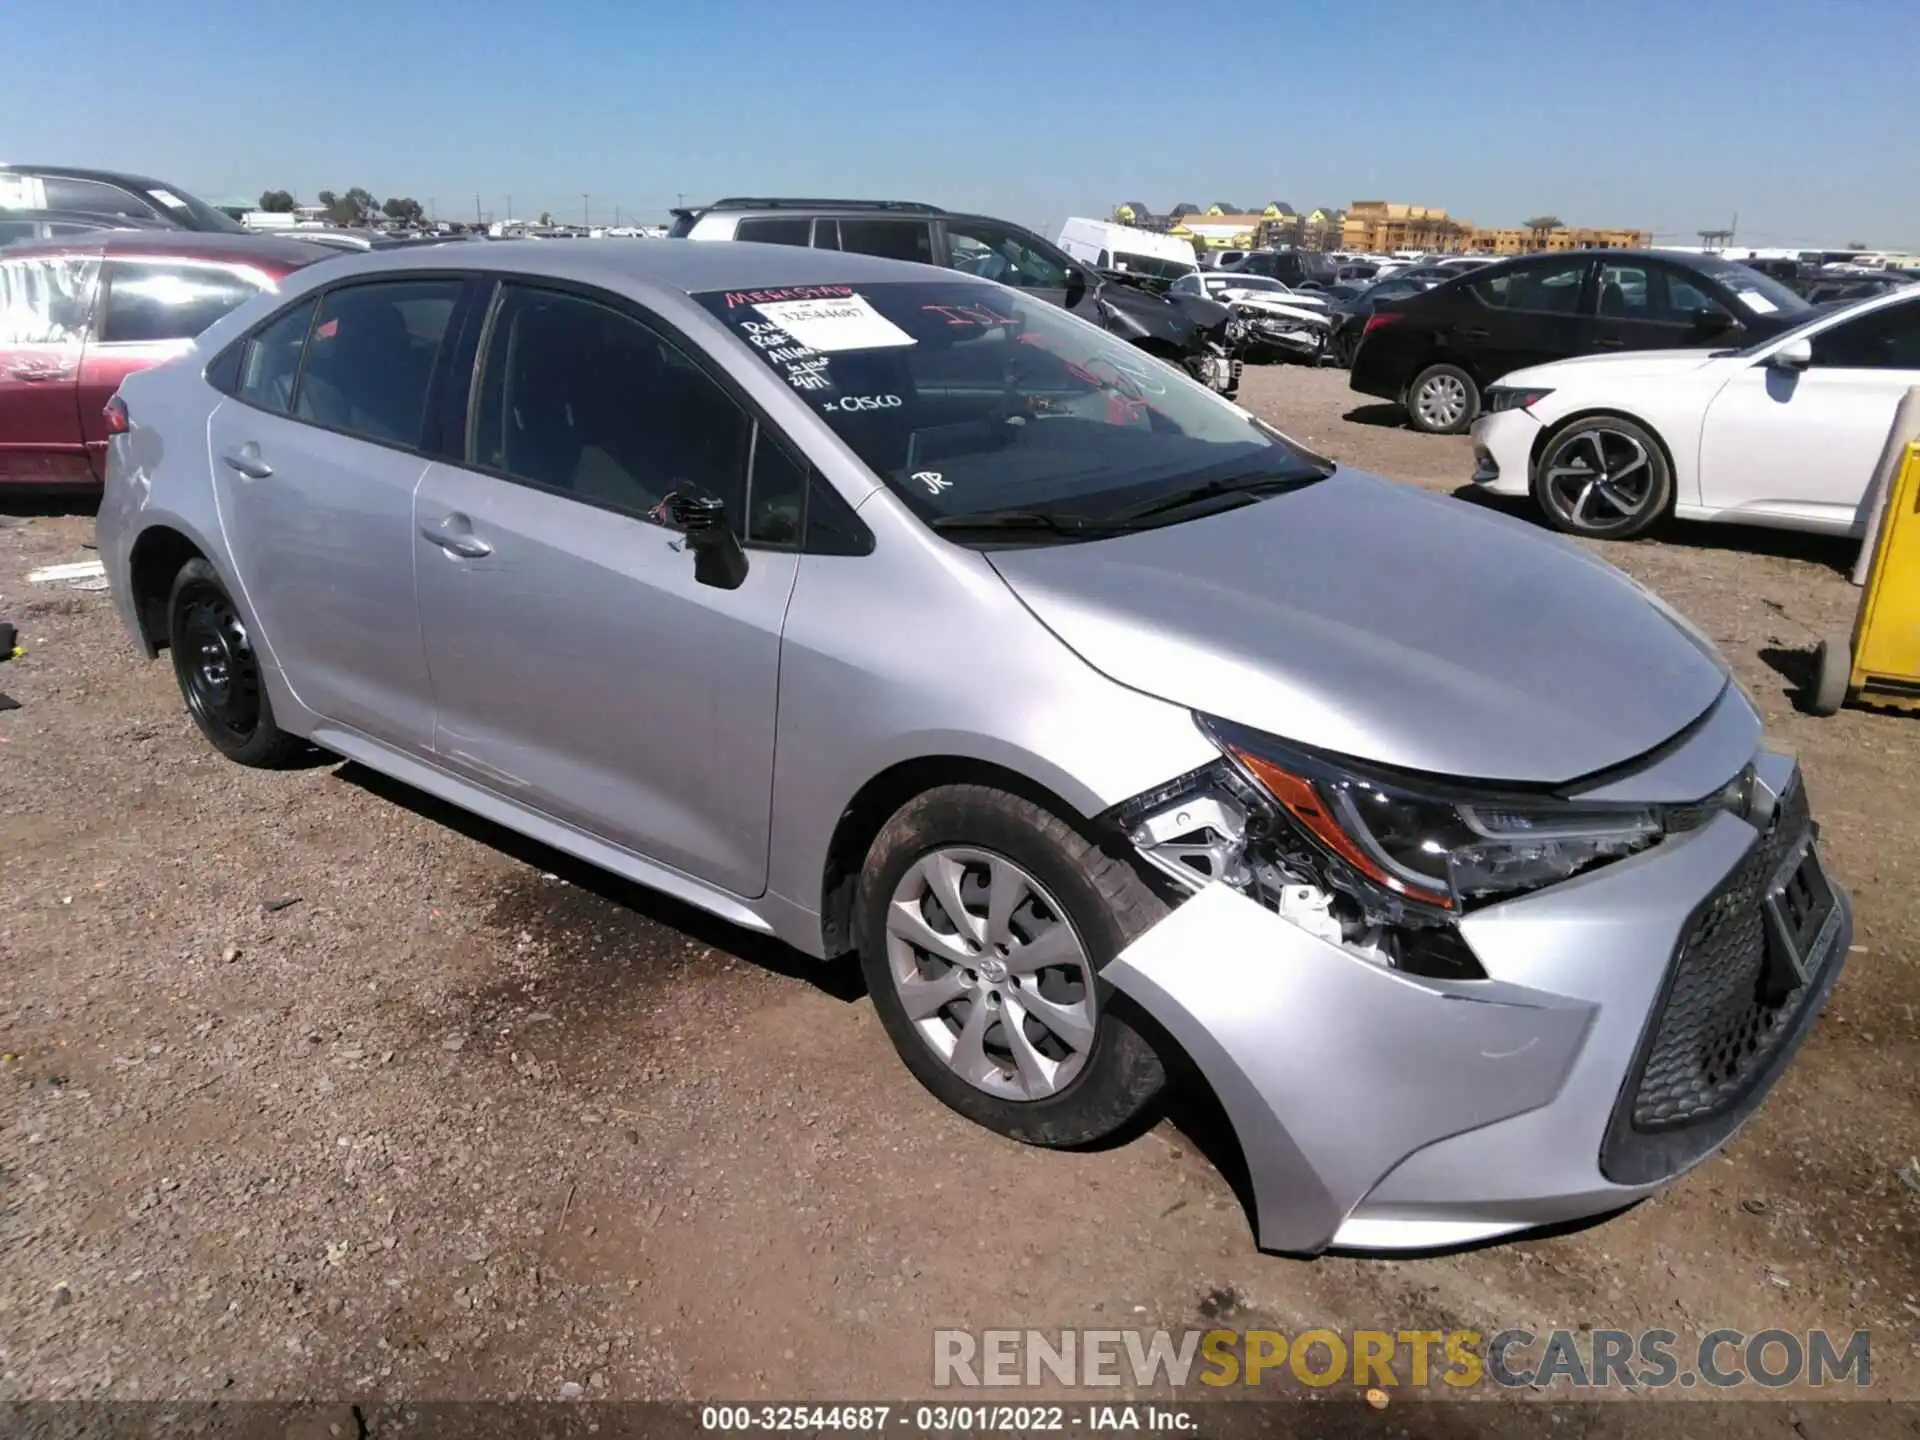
[[1375, 226], [1384, 226]]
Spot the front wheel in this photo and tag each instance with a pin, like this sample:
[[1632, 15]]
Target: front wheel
[[1604, 477], [985, 922]]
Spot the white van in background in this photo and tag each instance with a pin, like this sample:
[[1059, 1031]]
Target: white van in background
[[1107, 246]]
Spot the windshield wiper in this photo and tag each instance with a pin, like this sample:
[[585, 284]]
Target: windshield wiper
[[1057, 524], [1248, 485]]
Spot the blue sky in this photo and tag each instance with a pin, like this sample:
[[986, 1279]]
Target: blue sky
[[1671, 115]]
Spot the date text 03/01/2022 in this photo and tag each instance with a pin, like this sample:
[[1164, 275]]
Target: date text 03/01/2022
[[947, 1419]]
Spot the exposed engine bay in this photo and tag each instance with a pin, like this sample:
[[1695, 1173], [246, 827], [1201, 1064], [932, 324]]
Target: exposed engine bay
[[1214, 826]]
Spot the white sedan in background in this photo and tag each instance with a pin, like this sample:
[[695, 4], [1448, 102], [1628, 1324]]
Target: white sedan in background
[[1785, 432]]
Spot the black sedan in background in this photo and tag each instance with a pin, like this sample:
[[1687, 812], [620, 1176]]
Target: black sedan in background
[[1435, 353], [1352, 311]]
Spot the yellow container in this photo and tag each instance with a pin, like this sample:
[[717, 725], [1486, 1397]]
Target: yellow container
[[1879, 664]]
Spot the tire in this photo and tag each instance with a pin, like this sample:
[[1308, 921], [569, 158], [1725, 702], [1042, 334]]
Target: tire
[[1603, 477], [1442, 400], [1832, 674], [1104, 1074], [219, 675]]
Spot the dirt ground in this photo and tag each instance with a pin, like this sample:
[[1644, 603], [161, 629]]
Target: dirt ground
[[314, 1088]]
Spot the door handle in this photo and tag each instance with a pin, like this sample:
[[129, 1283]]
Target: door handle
[[43, 372], [461, 542], [1609, 342], [246, 460], [1471, 334]]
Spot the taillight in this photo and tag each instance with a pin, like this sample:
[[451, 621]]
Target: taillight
[[1375, 321], [116, 413]]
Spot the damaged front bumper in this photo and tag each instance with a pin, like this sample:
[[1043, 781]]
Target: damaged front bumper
[[1381, 1110]]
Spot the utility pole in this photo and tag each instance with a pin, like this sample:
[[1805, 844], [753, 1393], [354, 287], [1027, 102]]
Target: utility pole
[[508, 217], [586, 209], [476, 209], [616, 217]]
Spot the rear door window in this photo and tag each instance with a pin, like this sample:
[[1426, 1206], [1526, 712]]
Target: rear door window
[[1550, 287], [889, 239], [150, 300], [369, 359], [775, 230]]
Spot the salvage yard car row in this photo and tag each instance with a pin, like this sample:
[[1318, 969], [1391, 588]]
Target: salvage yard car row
[[1102, 723]]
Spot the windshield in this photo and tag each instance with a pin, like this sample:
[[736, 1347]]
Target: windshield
[[968, 399], [1760, 293], [1246, 282], [178, 203], [1152, 266]]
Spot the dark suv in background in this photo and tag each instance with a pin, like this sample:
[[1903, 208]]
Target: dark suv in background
[[110, 193], [1200, 336], [1437, 352]]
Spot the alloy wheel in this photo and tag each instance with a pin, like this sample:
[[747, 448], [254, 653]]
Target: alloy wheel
[[1441, 401], [1599, 479], [216, 664], [991, 973]]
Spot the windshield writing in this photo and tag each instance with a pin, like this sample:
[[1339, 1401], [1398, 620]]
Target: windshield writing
[[967, 399]]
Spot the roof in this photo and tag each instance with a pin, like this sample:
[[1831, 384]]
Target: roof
[[690, 266], [191, 244], [78, 172]]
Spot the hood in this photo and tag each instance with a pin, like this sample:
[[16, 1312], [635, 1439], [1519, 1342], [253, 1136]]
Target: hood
[[1626, 365], [1276, 297], [1263, 309], [1135, 314], [1367, 619]]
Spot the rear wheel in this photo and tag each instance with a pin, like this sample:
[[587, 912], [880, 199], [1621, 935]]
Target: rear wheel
[[1604, 477], [985, 922], [219, 675], [1443, 400]]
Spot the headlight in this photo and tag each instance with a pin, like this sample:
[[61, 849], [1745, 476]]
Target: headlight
[[1500, 397], [1428, 843]]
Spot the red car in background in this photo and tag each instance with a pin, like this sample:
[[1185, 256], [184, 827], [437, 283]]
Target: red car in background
[[78, 315]]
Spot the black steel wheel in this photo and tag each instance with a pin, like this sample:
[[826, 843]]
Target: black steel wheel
[[219, 674]]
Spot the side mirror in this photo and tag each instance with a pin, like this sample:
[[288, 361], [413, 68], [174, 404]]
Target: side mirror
[[718, 559], [1794, 355], [1076, 285], [1708, 320]]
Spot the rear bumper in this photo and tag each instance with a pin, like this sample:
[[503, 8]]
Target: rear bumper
[[113, 533], [1374, 373], [1383, 1111]]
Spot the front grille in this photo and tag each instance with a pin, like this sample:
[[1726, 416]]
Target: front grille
[[1723, 1025], [1719, 1022]]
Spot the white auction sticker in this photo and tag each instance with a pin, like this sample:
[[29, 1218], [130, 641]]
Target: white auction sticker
[[831, 325], [1754, 300]]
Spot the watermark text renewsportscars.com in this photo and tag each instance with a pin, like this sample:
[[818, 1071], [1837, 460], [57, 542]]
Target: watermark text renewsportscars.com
[[1582, 1360]]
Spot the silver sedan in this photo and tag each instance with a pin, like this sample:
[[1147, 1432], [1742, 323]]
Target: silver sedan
[[892, 611]]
